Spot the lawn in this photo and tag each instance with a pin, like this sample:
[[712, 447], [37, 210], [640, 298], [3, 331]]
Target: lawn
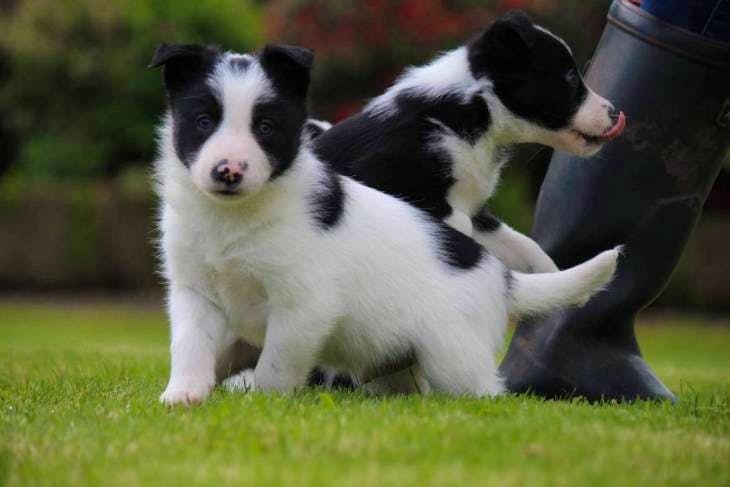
[[78, 405]]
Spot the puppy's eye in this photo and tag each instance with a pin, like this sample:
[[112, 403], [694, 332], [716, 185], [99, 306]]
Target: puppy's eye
[[204, 122], [572, 77], [264, 127]]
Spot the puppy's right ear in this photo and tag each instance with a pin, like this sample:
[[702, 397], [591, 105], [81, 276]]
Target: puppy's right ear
[[183, 63]]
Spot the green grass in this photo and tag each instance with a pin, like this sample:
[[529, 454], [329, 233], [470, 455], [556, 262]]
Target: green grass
[[78, 405]]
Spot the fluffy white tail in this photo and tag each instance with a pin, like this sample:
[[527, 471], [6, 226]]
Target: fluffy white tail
[[533, 294]]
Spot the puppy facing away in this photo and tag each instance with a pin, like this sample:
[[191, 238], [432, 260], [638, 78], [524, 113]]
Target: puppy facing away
[[438, 137], [263, 242]]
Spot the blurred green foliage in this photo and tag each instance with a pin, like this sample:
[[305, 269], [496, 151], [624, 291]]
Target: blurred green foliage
[[75, 92], [78, 103]]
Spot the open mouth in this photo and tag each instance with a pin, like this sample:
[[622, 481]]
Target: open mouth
[[608, 135]]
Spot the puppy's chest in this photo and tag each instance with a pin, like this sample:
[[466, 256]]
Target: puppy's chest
[[476, 169], [235, 289], [242, 298]]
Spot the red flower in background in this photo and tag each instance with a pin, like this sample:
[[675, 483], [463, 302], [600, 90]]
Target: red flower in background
[[336, 25]]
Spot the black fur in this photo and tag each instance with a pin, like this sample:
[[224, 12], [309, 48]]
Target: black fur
[[392, 153], [185, 69], [287, 116], [485, 222], [328, 203], [288, 68], [184, 64], [457, 249], [534, 75]]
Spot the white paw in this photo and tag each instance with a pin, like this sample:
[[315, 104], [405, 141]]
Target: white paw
[[185, 393], [243, 381]]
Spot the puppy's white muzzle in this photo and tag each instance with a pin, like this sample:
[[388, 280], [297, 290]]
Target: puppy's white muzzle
[[230, 166], [595, 123]]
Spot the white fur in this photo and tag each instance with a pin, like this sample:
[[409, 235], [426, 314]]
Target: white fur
[[322, 124], [444, 75], [258, 268]]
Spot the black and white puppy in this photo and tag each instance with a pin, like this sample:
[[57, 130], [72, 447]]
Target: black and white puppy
[[437, 137], [263, 242]]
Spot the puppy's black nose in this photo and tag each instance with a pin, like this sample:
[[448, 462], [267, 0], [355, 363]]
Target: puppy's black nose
[[228, 173]]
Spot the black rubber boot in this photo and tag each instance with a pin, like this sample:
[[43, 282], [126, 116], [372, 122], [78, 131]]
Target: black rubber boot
[[645, 189]]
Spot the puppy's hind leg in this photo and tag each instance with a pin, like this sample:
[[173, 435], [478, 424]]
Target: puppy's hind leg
[[460, 364]]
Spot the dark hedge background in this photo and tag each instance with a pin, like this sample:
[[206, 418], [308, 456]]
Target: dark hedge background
[[78, 108]]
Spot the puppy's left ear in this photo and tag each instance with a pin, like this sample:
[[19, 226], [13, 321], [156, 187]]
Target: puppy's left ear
[[289, 67], [501, 46], [515, 30]]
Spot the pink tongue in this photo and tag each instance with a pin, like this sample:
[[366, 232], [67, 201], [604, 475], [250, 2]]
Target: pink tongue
[[617, 129]]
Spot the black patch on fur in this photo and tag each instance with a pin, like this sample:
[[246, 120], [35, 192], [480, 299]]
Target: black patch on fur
[[530, 71], [328, 203], [288, 69], [281, 145], [456, 249], [186, 68], [185, 109], [393, 153], [485, 222]]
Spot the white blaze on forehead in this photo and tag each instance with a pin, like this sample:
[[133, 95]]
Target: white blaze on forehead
[[239, 83], [239, 88]]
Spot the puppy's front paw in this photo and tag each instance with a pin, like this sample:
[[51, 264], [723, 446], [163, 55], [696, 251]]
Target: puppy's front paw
[[185, 394], [243, 381]]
